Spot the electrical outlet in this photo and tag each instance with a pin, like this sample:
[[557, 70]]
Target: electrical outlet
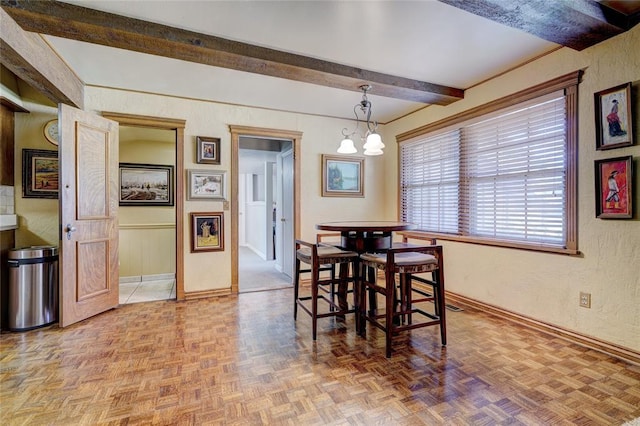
[[585, 300]]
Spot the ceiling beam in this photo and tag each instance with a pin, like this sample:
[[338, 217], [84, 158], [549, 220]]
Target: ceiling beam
[[577, 24], [108, 29], [30, 58]]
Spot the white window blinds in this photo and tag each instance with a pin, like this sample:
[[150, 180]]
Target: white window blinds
[[430, 182], [500, 176], [513, 168]]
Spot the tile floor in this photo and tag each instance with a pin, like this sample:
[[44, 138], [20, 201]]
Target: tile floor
[[146, 291]]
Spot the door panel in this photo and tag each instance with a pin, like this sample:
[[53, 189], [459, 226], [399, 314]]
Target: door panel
[[88, 153], [288, 239]]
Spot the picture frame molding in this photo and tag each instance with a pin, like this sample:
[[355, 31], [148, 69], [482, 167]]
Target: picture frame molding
[[196, 223], [192, 186], [202, 153], [167, 169], [327, 161], [602, 111], [600, 197], [30, 174]]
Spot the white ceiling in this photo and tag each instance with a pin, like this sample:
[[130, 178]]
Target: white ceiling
[[423, 40]]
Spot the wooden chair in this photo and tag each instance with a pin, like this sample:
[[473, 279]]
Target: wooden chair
[[406, 260], [323, 257]]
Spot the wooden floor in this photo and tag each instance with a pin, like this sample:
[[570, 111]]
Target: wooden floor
[[242, 360]]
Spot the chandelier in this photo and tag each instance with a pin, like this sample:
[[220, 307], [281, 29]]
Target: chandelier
[[372, 141]]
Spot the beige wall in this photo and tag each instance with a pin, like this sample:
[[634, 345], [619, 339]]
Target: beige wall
[[37, 218], [212, 270], [544, 286], [147, 234]]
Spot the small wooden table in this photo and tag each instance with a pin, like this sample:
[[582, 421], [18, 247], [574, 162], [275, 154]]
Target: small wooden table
[[363, 236]]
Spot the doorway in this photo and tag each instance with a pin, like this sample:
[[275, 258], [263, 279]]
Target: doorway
[[287, 222], [263, 197], [147, 219], [169, 220]]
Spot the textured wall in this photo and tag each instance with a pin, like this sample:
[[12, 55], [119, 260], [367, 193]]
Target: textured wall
[[547, 286]]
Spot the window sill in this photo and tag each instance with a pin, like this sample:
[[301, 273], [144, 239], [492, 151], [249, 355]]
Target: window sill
[[420, 235]]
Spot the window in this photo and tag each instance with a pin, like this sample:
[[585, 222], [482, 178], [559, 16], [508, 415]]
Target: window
[[503, 174]]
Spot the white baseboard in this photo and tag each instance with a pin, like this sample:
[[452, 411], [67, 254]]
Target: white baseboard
[[156, 277], [138, 278]]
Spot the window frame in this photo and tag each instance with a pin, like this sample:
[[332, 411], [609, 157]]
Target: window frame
[[567, 83]]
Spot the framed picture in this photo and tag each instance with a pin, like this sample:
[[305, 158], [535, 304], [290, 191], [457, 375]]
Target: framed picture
[[613, 117], [208, 150], [342, 176], [146, 185], [40, 170], [207, 232], [206, 185], [614, 188]]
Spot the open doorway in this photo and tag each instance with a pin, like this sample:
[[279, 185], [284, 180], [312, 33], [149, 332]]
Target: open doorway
[[288, 224], [171, 133], [263, 197], [147, 214]]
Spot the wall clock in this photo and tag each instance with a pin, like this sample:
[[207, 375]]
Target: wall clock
[[51, 131]]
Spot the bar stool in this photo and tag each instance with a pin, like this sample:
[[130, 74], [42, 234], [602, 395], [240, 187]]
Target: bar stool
[[322, 257], [405, 260]]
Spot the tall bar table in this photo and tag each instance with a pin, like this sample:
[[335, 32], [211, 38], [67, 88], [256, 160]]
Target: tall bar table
[[361, 237]]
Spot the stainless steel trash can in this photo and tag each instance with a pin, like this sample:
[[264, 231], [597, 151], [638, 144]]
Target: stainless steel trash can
[[33, 287]]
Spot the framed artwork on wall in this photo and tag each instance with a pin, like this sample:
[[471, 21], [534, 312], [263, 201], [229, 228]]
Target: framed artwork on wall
[[342, 176], [146, 185], [613, 117], [206, 185], [614, 188], [208, 150], [40, 173], [207, 232]]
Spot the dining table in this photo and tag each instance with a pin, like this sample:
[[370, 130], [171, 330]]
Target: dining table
[[363, 236]]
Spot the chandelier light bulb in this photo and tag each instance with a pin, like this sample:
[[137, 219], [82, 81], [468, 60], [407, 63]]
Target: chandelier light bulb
[[374, 142], [347, 147]]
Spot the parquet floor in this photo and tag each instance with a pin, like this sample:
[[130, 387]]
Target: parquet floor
[[242, 360]]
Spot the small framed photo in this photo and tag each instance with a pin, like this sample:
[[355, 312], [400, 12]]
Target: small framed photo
[[206, 185], [342, 176], [614, 188], [40, 173], [613, 117], [208, 150], [146, 185], [207, 232]]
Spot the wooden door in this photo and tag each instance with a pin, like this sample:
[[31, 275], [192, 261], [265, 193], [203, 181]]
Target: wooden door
[[287, 219], [88, 153]]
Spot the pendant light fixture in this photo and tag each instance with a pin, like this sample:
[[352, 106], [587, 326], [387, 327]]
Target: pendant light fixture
[[372, 141]]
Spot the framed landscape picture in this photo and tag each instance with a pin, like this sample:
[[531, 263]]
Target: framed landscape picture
[[208, 150], [40, 173], [146, 185], [614, 188], [206, 185], [207, 231], [342, 176], [613, 117]]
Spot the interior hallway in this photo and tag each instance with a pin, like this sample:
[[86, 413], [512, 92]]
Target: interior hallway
[[256, 274], [242, 360]]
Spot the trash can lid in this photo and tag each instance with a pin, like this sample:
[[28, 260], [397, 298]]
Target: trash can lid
[[33, 252]]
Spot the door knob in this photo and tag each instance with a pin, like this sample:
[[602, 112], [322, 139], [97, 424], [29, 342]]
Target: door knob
[[69, 229]]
